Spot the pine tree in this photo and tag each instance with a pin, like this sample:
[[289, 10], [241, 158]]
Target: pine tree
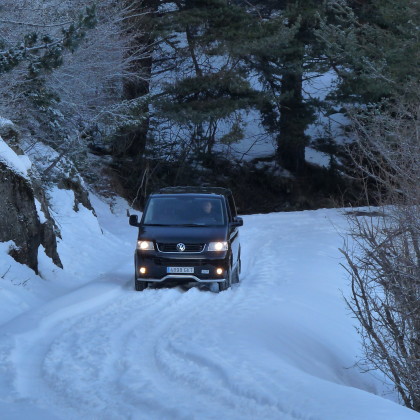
[[210, 47], [42, 52], [78, 106], [289, 53], [129, 141], [374, 48], [211, 85]]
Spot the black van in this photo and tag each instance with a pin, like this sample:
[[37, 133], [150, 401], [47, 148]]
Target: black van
[[188, 235]]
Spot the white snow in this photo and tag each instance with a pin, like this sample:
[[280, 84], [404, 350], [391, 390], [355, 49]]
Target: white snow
[[41, 215], [17, 163], [81, 343], [4, 122], [316, 157]]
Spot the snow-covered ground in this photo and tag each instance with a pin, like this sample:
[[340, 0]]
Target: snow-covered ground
[[81, 343]]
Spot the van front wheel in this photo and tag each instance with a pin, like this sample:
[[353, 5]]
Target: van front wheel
[[235, 277], [140, 285], [224, 285]]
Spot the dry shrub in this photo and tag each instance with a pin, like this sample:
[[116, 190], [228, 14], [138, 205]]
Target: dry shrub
[[383, 255]]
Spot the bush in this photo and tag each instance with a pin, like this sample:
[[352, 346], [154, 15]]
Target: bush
[[383, 258]]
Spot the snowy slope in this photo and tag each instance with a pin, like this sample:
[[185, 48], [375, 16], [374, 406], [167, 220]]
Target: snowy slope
[[280, 345]]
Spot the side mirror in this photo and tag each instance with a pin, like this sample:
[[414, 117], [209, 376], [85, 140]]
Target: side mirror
[[238, 221], [133, 220]]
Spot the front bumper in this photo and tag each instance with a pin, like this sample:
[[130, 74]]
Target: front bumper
[[204, 267], [184, 278]]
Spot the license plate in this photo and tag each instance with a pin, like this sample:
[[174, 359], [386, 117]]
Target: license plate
[[180, 270]]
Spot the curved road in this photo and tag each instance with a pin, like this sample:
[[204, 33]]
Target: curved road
[[276, 346]]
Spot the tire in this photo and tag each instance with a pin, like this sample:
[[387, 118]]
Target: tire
[[235, 275], [224, 285], [140, 285]]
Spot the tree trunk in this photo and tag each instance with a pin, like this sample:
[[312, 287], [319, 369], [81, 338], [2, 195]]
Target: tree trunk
[[292, 140], [130, 143]]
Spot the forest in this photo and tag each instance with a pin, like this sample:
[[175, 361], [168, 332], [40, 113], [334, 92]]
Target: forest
[[139, 95], [291, 104]]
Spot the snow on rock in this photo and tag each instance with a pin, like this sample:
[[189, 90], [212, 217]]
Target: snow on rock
[[41, 214], [22, 218], [4, 122], [280, 345], [18, 163], [18, 216]]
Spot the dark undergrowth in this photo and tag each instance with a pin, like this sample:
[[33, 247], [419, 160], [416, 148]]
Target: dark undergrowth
[[259, 186]]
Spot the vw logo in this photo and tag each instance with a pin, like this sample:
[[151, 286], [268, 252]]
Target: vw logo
[[180, 247]]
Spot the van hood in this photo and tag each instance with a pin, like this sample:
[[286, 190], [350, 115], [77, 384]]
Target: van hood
[[174, 234]]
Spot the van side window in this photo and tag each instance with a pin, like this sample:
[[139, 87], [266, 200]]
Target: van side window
[[232, 206]]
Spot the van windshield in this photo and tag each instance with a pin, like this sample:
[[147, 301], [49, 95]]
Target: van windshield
[[184, 211]]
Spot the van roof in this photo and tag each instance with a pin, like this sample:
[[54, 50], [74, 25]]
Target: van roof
[[194, 190]]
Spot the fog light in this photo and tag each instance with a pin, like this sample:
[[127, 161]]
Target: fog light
[[142, 270], [219, 271]]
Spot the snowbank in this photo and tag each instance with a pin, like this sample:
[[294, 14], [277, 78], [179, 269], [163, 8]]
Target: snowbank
[[17, 163]]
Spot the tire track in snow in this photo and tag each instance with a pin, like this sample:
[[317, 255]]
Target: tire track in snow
[[169, 320], [98, 345], [186, 368], [25, 340], [239, 399], [186, 362], [125, 333], [114, 348], [172, 321], [143, 353]]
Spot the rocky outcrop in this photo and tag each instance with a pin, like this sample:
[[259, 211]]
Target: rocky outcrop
[[49, 231], [19, 220], [24, 215], [81, 196]]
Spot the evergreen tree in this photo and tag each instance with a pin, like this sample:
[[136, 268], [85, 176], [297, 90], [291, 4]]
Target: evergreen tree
[[289, 54], [210, 47], [43, 52], [129, 142], [75, 103], [211, 85], [374, 48]]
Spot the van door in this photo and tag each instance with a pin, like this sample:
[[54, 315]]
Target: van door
[[233, 231]]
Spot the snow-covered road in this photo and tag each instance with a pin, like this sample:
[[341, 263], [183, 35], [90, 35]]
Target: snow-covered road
[[280, 345]]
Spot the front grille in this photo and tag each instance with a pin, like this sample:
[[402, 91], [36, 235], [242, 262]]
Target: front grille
[[178, 263], [171, 247]]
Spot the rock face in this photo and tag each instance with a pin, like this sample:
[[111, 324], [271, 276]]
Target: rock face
[[20, 219], [81, 196], [49, 231], [20, 223], [24, 210]]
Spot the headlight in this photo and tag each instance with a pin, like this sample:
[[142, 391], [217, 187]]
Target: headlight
[[218, 246], [145, 245]]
